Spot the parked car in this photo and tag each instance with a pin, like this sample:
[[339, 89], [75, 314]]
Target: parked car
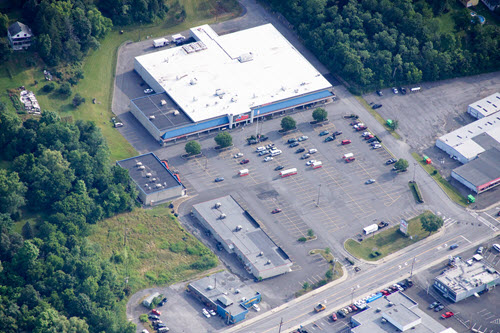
[[164, 300], [300, 150], [361, 128], [391, 161], [259, 149], [276, 211], [153, 317], [306, 155], [264, 152], [313, 151], [271, 145], [368, 137], [370, 181], [337, 132], [376, 106], [334, 317], [279, 167], [294, 144], [372, 140], [310, 162], [380, 93], [219, 179], [324, 133], [267, 159], [496, 247], [349, 159], [373, 143], [365, 134], [480, 250], [148, 91], [403, 90], [377, 146], [303, 138], [439, 308], [292, 140], [156, 312], [212, 312], [244, 161], [394, 90], [329, 138], [346, 142], [238, 155], [447, 315]]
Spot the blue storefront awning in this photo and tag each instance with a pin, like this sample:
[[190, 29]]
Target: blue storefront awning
[[292, 102]]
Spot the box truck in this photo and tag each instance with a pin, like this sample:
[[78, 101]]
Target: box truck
[[160, 42], [370, 229]]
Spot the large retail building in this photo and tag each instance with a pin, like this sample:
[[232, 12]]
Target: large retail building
[[219, 82]]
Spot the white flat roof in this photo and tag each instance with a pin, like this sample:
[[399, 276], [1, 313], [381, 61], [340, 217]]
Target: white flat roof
[[488, 105], [461, 139], [270, 70]]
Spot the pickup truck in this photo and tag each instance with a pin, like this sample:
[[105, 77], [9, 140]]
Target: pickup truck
[[320, 307], [382, 225]]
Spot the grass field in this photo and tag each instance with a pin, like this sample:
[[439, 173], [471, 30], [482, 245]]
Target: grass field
[[99, 68], [387, 241], [150, 247], [452, 192]]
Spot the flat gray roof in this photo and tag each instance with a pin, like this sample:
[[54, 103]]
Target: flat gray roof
[[224, 289], [165, 116], [250, 240], [488, 105], [408, 311], [483, 169], [153, 173]]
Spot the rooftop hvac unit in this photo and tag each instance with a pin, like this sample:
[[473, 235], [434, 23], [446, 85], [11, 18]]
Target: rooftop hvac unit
[[210, 287], [219, 92], [239, 227], [261, 254], [237, 291], [152, 117], [268, 262], [243, 299], [158, 185], [148, 174], [193, 82], [163, 102], [234, 99], [138, 164], [142, 167], [153, 180], [217, 204], [222, 216], [176, 113]]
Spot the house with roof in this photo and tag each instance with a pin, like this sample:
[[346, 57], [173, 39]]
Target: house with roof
[[20, 36], [492, 4]]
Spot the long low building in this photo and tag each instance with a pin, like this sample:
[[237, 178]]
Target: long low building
[[240, 234], [219, 82], [485, 107], [481, 174]]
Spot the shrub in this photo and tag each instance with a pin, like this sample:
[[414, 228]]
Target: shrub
[[78, 100], [49, 87], [143, 318], [434, 172], [302, 239], [65, 89]]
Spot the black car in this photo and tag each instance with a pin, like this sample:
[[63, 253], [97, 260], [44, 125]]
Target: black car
[[279, 167], [330, 138], [292, 140], [300, 150], [371, 140], [337, 133], [294, 144], [219, 179], [376, 106], [403, 90], [391, 161], [153, 317], [164, 300], [379, 93]]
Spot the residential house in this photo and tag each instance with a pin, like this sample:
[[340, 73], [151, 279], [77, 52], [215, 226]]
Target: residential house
[[469, 3], [492, 4], [20, 36]]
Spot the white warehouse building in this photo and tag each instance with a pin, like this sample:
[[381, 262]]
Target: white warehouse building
[[485, 107]]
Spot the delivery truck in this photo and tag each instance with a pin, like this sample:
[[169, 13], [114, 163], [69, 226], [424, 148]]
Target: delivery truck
[[160, 42], [243, 172], [288, 172], [317, 165], [346, 156], [370, 229]]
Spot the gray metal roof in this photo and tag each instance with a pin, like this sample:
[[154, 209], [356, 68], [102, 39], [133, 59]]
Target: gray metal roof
[[483, 169], [17, 27], [153, 173]]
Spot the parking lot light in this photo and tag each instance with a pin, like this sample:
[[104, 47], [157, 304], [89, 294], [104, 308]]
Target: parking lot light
[[319, 192]]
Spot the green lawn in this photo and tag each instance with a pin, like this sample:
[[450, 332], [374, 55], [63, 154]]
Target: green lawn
[[387, 241], [452, 192], [99, 68], [150, 247]]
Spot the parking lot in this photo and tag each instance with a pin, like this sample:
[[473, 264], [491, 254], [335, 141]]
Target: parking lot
[[480, 313]]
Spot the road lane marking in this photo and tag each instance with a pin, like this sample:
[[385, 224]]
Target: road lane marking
[[466, 239]]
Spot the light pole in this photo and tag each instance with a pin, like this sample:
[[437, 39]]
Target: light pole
[[413, 262], [352, 293], [319, 192], [414, 170]]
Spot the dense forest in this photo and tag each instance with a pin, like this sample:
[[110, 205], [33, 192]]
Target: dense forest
[[66, 30], [377, 43], [52, 279]]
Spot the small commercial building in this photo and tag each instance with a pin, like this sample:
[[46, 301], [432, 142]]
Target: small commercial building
[[154, 181], [19, 36], [481, 174], [485, 107], [149, 300], [221, 82], [395, 313], [238, 232], [224, 293], [466, 278], [468, 142]]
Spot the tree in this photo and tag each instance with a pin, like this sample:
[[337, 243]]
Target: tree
[[193, 148], [310, 233], [4, 21], [394, 125], [329, 274], [78, 100], [27, 231], [12, 192], [288, 123], [431, 223], [305, 286], [65, 89], [49, 87], [401, 164], [320, 114], [5, 50], [224, 140]]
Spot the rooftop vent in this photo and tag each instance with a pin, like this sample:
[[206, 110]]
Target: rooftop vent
[[268, 262], [193, 82], [152, 117], [210, 287], [176, 112], [163, 102], [237, 291], [148, 174], [261, 254], [218, 204], [138, 164], [223, 216], [238, 228], [142, 167], [159, 185], [219, 92], [153, 180]]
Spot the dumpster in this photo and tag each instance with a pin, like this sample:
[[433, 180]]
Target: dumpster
[[471, 198]]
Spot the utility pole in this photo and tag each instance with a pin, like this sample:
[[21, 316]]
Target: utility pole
[[414, 170], [319, 192], [413, 262], [281, 323]]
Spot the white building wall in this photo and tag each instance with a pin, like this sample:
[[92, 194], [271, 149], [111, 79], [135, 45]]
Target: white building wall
[[164, 195], [474, 112], [145, 122], [451, 151]]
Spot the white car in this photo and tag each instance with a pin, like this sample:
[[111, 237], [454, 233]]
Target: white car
[[212, 312], [310, 162], [370, 181], [238, 155], [365, 134], [205, 313], [267, 159], [148, 91], [303, 138], [313, 151], [260, 149], [377, 146], [358, 125], [256, 307]]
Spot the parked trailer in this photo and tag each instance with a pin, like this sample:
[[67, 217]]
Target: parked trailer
[[244, 172], [160, 42], [415, 89], [289, 172], [317, 165], [371, 228], [346, 156], [374, 298]]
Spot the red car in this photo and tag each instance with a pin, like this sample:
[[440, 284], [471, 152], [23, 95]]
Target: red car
[[244, 161], [156, 312], [447, 315], [368, 137], [385, 292], [277, 210], [334, 316], [349, 159], [498, 213], [346, 142], [361, 128]]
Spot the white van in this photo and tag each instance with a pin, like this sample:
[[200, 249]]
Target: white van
[[178, 38], [496, 247], [276, 152], [347, 155]]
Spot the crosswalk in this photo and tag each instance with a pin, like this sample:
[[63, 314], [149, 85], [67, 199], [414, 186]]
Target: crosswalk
[[483, 220]]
